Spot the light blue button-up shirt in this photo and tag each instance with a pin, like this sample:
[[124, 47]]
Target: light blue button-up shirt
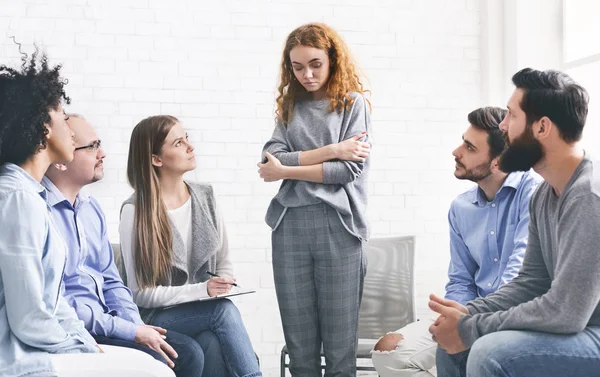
[[35, 319], [92, 282], [488, 239]]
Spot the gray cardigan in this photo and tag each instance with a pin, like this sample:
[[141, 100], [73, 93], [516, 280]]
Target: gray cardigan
[[205, 242]]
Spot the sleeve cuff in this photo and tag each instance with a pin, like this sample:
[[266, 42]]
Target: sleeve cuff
[[289, 158], [125, 330], [472, 308], [467, 329], [138, 320], [203, 290], [335, 172], [132, 315], [88, 343], [86, 348]]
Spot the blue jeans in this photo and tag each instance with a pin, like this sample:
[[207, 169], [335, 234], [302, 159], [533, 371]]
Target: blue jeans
[[216, 327], [526, 353]]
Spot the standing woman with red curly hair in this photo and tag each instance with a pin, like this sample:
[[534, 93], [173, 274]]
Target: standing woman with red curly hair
[[320, 150]]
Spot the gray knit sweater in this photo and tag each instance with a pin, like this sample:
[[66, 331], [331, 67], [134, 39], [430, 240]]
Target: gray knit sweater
[[558, 287], [344, 184]]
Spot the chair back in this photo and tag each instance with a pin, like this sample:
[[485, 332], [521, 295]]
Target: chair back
[[388, 301]]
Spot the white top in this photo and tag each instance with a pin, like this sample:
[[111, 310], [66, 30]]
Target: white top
[[161, 296], [182, 218]]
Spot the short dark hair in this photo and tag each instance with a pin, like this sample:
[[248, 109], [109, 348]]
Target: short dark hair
[[27, 94], [488, 119], [555, 95]]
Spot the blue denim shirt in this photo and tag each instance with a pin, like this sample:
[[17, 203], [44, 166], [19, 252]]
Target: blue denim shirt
[[92, 282], [35, 319], [488, 239]]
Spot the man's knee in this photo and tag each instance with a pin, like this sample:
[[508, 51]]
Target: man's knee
[[490, 352], [388, 342], [500, 344]]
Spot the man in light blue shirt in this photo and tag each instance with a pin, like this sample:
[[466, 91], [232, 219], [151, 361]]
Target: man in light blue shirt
[[488, 236], [92, 284]]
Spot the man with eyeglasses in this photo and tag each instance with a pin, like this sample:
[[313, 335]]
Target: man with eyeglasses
[[92, 284]]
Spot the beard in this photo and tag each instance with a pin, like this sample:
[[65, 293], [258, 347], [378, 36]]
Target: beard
[[97, 177], [98, 172], [522, 153], [475, 174]]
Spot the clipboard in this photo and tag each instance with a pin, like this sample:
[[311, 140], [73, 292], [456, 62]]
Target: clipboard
[[232, 293]]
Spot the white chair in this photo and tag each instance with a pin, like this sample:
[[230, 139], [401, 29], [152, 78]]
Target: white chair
[[388, 301]]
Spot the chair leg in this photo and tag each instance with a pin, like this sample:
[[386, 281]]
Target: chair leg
[[282, 364]]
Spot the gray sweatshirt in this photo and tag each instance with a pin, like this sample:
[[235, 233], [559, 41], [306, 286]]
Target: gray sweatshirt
[[344, 184], [558, 287]]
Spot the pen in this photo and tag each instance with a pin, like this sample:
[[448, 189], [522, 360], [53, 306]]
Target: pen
[[217, 276]]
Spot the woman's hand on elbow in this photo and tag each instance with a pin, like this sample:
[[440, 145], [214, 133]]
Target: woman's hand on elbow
[[353, 149], [272, 170]]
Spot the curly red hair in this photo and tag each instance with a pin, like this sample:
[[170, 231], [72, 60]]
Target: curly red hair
[[343, 77]]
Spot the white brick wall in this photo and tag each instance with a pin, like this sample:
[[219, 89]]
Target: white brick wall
[[214, 64]]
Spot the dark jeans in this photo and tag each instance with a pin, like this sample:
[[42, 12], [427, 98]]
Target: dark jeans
[[129, 344], [191, 352]]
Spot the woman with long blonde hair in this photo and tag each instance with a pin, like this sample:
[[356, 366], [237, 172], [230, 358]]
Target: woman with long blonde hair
[[320, 149], [172, 239]]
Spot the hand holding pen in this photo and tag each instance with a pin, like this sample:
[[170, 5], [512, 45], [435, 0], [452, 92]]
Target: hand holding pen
[[218, 285]]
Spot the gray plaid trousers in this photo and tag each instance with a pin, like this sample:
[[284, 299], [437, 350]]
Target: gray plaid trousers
[[319, 270]]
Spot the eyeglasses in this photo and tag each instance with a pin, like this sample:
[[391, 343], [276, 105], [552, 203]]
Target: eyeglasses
[[93, 147]]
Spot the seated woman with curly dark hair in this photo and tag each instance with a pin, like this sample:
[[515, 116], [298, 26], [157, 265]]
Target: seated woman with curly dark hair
[[37, 325]]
